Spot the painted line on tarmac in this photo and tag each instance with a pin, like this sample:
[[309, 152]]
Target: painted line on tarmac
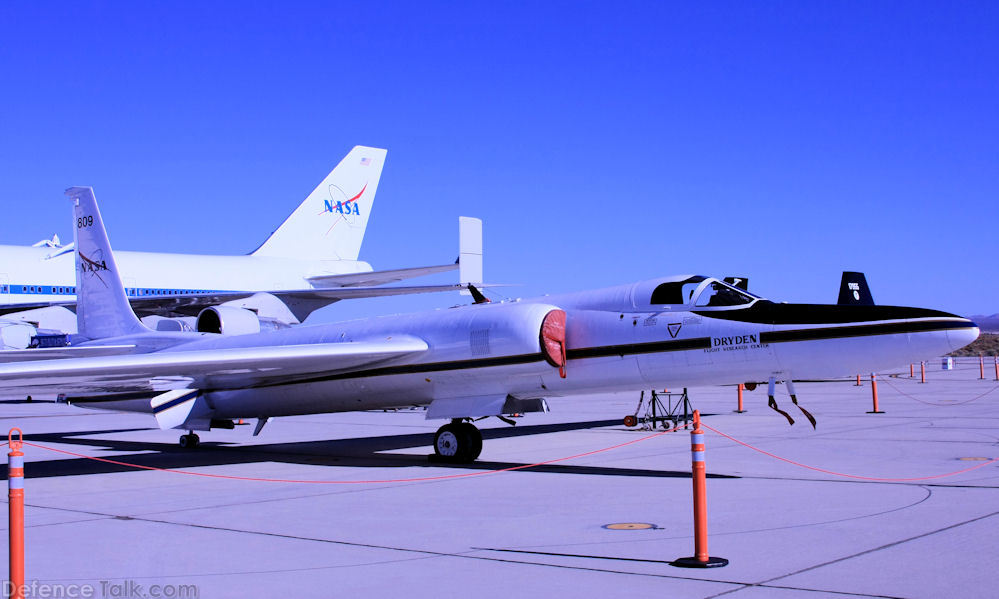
[[765, 583]]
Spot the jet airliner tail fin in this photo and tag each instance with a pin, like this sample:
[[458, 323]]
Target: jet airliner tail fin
[[330, 223], [853, 290], [102, 308]]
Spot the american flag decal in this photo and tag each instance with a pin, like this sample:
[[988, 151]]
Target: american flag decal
[[365, 161]]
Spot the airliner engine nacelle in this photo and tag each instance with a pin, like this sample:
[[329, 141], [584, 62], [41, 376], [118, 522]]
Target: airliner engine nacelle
[[229, 320]]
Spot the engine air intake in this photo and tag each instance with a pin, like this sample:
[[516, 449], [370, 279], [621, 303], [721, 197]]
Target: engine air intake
[[553, 339]]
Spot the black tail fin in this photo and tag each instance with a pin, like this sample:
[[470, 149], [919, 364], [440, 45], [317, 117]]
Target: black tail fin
[[853, 290]]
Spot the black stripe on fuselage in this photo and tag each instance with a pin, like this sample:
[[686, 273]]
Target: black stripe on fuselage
[[418, 369], [767, 312], [630, 349], [863, 330], [572, 354], [602, 351]]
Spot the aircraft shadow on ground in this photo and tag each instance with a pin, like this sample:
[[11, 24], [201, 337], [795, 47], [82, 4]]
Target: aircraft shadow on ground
[[364, 452]]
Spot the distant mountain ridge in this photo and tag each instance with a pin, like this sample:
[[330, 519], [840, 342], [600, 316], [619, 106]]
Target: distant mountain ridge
[[987, 323], [986, 345]]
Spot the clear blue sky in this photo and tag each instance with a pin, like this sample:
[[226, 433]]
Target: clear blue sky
[[600, 142]]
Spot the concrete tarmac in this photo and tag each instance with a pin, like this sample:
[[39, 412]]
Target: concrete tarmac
[[788, 531]]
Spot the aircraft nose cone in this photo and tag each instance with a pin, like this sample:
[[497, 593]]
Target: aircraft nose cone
[[960, 337]]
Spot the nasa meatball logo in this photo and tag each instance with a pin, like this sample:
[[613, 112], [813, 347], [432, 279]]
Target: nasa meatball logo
[[342, 207], [94, 265]]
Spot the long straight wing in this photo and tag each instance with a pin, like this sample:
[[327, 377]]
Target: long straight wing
[[57, 353], [203, 369]]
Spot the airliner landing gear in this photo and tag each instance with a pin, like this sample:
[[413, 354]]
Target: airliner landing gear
[[458, 441], [189, 441]]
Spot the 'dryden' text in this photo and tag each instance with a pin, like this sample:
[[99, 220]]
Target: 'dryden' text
[[735, 342]]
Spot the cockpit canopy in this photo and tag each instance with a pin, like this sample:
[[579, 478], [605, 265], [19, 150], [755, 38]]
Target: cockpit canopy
[[684, 292], [697, 291], [676, 292], [711, 293]]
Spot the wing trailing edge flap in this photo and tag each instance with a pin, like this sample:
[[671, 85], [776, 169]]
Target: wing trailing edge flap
[[57, 353], [377, 277], [484, 405], [340, 293]]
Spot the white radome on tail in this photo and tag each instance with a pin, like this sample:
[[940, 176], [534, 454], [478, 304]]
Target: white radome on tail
[[330, 223]]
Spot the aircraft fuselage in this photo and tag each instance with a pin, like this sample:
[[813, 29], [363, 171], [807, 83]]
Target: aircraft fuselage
[[496, 350]]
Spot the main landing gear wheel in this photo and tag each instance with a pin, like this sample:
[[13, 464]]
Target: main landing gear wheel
[[189, 441], [474, 437], [458, 442]]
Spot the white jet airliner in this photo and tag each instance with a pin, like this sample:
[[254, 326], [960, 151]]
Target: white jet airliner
[[484, 359], [316, 248]]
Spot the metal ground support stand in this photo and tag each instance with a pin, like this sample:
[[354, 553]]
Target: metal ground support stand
[[669, 409]]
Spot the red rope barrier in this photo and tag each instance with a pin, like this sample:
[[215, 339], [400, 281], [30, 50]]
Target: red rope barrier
[[933, 403], [497, 471], [351, 482], [872, 478]]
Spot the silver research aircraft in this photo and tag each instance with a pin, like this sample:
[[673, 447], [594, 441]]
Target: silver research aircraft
[[310, 261], [472, 361]]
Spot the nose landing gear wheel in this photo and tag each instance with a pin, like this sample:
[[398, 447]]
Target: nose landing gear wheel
[[189, 441], [458, 442]]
